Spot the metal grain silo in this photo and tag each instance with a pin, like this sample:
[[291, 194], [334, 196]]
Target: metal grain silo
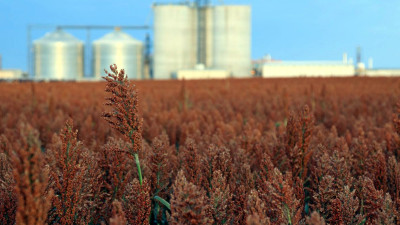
[[58, 56], [121, 49], [232, 39], [175, 39]]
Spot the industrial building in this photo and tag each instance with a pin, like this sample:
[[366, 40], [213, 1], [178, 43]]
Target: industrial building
[[276, 68], [186, 35], [272, 68], [12, 74], [382, 72], [200, 72], [307, 69], [191, 40]]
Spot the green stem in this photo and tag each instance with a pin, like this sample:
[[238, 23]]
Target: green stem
[[138, 168]]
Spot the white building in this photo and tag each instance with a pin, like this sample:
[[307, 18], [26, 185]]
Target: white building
[[307, 69], [200, 72], [382, 72], [12, 74], [273, 68]]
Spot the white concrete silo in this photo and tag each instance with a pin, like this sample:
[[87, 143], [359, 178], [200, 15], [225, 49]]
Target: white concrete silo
[[209, 36], [58, 56], [175, 39], [232, 39], [121, 49]]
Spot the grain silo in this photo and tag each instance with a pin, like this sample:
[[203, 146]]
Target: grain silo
[[175, 39], [58, 56], [232, 39], [121, 49], [209, 36]]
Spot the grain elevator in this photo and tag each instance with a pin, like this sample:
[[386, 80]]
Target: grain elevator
[[195, 33], [192, 40]]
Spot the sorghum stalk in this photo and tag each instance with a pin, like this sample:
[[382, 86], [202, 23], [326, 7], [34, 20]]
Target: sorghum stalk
[[124, 116]]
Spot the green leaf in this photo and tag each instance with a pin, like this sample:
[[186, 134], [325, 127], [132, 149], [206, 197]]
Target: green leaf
[[162, 201]]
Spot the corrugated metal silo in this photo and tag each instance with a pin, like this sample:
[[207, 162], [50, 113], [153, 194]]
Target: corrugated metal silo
[[58, 56], [174, 39], [121, 49], [232, 39]]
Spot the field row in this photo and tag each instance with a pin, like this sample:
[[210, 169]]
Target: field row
[[250, 151]]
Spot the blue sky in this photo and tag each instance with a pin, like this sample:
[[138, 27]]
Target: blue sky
[[286, 29]]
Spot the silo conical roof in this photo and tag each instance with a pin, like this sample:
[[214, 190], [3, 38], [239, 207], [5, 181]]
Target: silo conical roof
[[117, 36], [58, 36]]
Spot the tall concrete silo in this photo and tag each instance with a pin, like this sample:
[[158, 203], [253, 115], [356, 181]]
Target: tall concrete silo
[[121, 49], [209, 36], [175, 39], [58, 56], [204, 32], [232, 39]]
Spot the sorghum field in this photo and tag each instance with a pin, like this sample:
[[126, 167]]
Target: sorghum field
[[251, 151]]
